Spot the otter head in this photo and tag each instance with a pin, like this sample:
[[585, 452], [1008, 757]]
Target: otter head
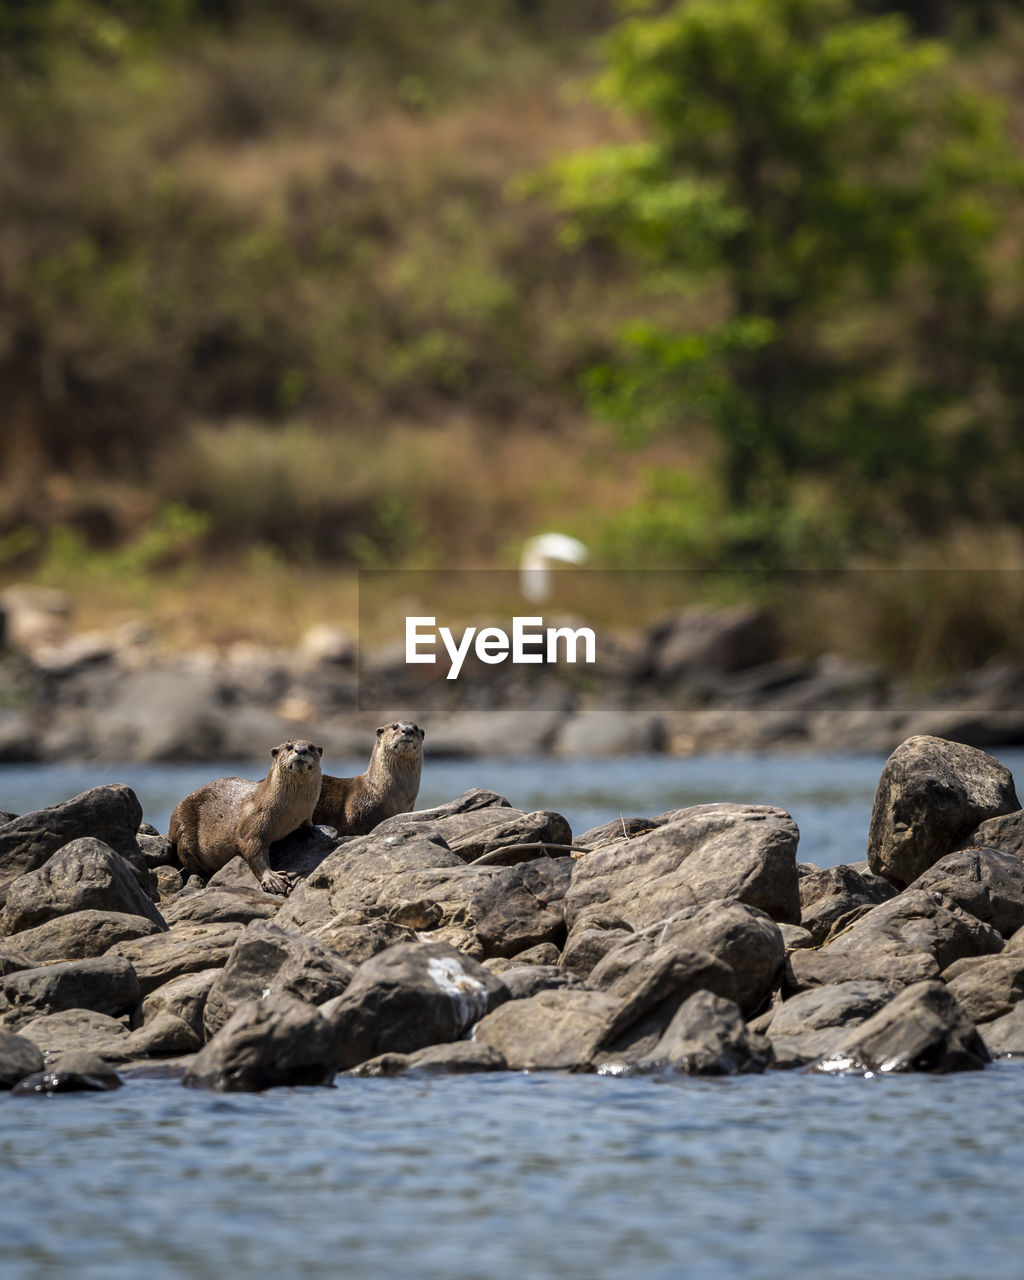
[[297, 756], [401, 737]]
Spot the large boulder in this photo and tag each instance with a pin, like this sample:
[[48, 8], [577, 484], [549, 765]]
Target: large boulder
[[986, 882], [708, 1037], [83, 934], [266, 1043], [86, 875], [805, 1028], [111, 814], [558, 1030], [187, 948], [105, 984], [18, 1058], [267, 961], [408, 997], [921, 1029], [931, 795], [710, 851]]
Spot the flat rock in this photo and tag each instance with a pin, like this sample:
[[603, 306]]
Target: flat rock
[[464, 1057], [806, 1027], [930, 796], [408, 997], [558, 1030], [707, 1037], [83, 934], [988, 883], [105, 984], [704, 853], [264, 1044], [19, 1058], [79, 1030], [164, 1036], [187, 948], [266, 962], [923, 1028], [217, 905]]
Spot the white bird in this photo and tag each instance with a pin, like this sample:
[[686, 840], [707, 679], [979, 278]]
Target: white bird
[[540, 555]]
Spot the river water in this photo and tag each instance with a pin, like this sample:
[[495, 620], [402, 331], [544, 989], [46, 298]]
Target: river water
[[511, 1177]]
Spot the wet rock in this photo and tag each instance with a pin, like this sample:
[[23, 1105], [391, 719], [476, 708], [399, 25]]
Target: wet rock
[[832, 893], [111, 814], [266, 962], [74, 1072], [85, 875], [909, 939], [409, 997], [805, 1028], [264, 1044], [526, 980], [18, 1058], [77, 1030], [987, 987], [931, 794], [707, 1037], [219, 905], [558, 1030], [986, 882], [461, 1058], [104, 984], [923, 1028], [82, 934], [745, 939], [184, 998], [704, 853], [603, 732], [187, 948]]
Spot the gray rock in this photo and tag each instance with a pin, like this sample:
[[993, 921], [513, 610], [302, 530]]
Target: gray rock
[[805, 1028], [699, 640], [745, 939], [931, 794], [461, 1058], [481, 829], [498, 732], [266, 962], [558, 1030], [702, 854], [707, 1037], [111, 814], [1005, 832], [795, 936], [616, 830], [18, 1058], [85, 875], [77, 1030], [831, 893], [164, 1036], [74, 1072], [169, 883], [221, 904], [526, 980], [264, 1044], [987, 987], [356, 942], [299, 854], [82, 934], [986, 882], [545, 955], [408, 997], [184, 998], [105, 984], [1004, 1037], [589, 941], [187, 948], [12, 959], [470, 801], [160, 714], [603, 732], [909, 939], [921, 1029], [157, 850]]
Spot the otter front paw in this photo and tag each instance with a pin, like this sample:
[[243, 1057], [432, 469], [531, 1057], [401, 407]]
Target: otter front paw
[[275, 882]]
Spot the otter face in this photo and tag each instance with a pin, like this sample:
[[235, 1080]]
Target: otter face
[[298, 756], [401, 735]]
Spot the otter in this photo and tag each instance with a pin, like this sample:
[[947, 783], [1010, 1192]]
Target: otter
[[354, 806], [232, 816]]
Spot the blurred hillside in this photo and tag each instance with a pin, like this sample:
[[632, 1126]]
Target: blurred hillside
[[282, 295]]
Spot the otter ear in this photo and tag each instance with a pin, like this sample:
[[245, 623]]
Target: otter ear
[[274, 751], [381, 730], [320, 752], [423, 734]]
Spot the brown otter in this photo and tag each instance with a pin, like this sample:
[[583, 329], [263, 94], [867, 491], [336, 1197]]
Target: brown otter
[[354, 806], [232, 816]]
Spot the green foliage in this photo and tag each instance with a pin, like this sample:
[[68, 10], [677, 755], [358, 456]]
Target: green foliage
[[833, 193]]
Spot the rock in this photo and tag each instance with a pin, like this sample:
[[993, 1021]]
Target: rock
[[85, 875], [358, 942], [460, 1058], [162, 713], [408, 997], [184, 998], [590, 940], [75, 1072], [502, 731], [987, 987], [497, 910], [82, 934], [169, 883], [157, 850], [187, 948], [931, 794], [493, 840], [79, 1030], [795, 936], [909, 939], [298, 854], [745, 939], [12, 959], [921, 1029], [1005, 832], [986, 882], [828, 895], [526, 980], [111, 814], [805, 1028], [266, 1043], [603, 732], [105, 984], [165, 1036], [559, 1030], [707, 1037], [1004, 1037], [701, 854], [470, 801], [697, 640], [481, 829], [545, 954], [266, 962], [18, 1058], [221, 904], [617, 830]]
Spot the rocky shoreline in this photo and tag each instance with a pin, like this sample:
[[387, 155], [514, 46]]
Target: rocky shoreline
[[698, 681], [463, 938]]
